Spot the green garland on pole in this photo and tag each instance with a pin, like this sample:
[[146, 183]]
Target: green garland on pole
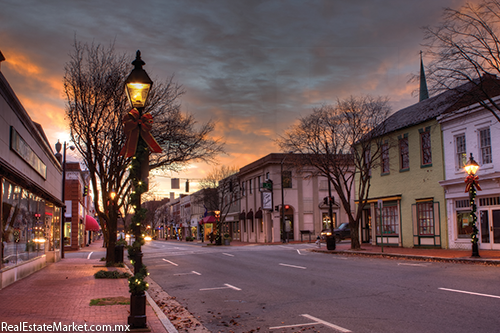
[[137, 285]]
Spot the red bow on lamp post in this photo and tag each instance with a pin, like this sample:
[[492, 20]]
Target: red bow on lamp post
[[135, 125], [472, 180]]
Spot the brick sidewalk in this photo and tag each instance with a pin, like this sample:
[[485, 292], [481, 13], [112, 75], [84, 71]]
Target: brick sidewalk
[[61, 292]]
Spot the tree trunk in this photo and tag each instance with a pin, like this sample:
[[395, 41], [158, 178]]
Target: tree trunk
[[111, 243], [354, 226]]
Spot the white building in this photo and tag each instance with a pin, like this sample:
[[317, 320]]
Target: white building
[[472, 130]]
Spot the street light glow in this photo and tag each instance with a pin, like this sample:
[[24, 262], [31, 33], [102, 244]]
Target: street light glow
[[471, 167]]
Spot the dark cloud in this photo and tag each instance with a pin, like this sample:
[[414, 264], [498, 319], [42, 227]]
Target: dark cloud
[[253, 66]]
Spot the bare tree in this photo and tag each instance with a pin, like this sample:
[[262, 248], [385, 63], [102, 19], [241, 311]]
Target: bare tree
[[96, 103], [465, 48], [341, 143]]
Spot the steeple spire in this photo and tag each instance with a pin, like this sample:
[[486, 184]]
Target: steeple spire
[[424, 94]]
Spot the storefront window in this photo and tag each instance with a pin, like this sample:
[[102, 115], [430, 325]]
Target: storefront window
[[25, 226], [67, 234], [54, 216], [464, 224], [425, 216], [326, 220], [390, 219]]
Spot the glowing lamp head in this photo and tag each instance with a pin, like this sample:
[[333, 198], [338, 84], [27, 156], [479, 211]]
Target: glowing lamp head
[[138, 83], [471, 166]]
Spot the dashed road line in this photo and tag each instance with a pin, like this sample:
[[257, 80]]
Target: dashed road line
[[170, 262], [192, 272], [88, 257], [293, 266], [316, 322], [406, 264], [320, 321], [226, 286], [228, 254], [469, 292]]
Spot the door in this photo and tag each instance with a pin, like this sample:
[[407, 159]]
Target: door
[[366, 226], [490, 229]]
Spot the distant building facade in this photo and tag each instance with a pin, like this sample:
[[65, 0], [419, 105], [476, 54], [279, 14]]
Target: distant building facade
[[305, 214]]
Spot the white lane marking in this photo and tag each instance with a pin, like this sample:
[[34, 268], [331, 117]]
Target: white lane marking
[[227, 286], [320, 321], [469, 292], [172, 263], [228, 254], [298, 251], [88, 257], [405, 264], [316, 322], [192, 272], [289, 326], [232, 287], [293, 266]]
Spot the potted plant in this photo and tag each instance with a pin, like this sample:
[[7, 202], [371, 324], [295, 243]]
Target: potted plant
[[227, 239]]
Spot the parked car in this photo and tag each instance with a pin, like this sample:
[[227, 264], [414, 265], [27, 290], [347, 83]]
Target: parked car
[[340, 233]]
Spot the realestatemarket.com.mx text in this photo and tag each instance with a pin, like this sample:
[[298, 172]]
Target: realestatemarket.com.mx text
[[59, 327]]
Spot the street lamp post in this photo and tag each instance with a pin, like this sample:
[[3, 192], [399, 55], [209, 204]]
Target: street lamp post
[[137, 87], [58, 155], [472, 183]]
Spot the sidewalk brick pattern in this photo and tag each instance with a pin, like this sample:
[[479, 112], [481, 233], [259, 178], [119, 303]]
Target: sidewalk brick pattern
[[61, 292]]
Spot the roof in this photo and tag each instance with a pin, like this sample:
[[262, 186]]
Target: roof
[[448, 101]]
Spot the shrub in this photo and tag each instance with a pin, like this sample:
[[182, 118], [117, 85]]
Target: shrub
[[102, 274]]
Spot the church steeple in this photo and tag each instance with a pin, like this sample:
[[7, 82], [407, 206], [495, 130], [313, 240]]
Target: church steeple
[[424, 93]]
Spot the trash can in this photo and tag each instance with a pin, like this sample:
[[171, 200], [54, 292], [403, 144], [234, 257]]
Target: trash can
[[119, 253], [330, 243]]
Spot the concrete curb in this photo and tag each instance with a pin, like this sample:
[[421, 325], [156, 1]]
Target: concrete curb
[[164, 320], [159, 313], [476, 261]]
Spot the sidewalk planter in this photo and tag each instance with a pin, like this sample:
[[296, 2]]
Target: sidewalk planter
[[330, 243], [137, 318], [227, 241]]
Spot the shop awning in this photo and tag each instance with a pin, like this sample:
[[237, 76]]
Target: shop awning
[[242, 215], [208, 219], [250, 215], [91, 224], [258, 214]]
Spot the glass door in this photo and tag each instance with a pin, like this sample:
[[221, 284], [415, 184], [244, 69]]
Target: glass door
[[490, 229]]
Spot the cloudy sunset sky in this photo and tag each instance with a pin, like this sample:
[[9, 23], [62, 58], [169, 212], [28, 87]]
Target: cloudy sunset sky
[[252, 66]]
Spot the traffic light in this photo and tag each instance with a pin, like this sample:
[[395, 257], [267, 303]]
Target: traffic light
[[85, 190], [325, 200], [187, 185]]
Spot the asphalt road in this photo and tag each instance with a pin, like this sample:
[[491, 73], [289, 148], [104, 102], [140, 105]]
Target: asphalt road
[[285, 288]]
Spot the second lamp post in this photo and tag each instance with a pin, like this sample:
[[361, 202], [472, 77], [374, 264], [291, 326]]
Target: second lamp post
[[472, 183]]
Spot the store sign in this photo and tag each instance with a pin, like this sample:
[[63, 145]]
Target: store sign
[[18, 145]]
